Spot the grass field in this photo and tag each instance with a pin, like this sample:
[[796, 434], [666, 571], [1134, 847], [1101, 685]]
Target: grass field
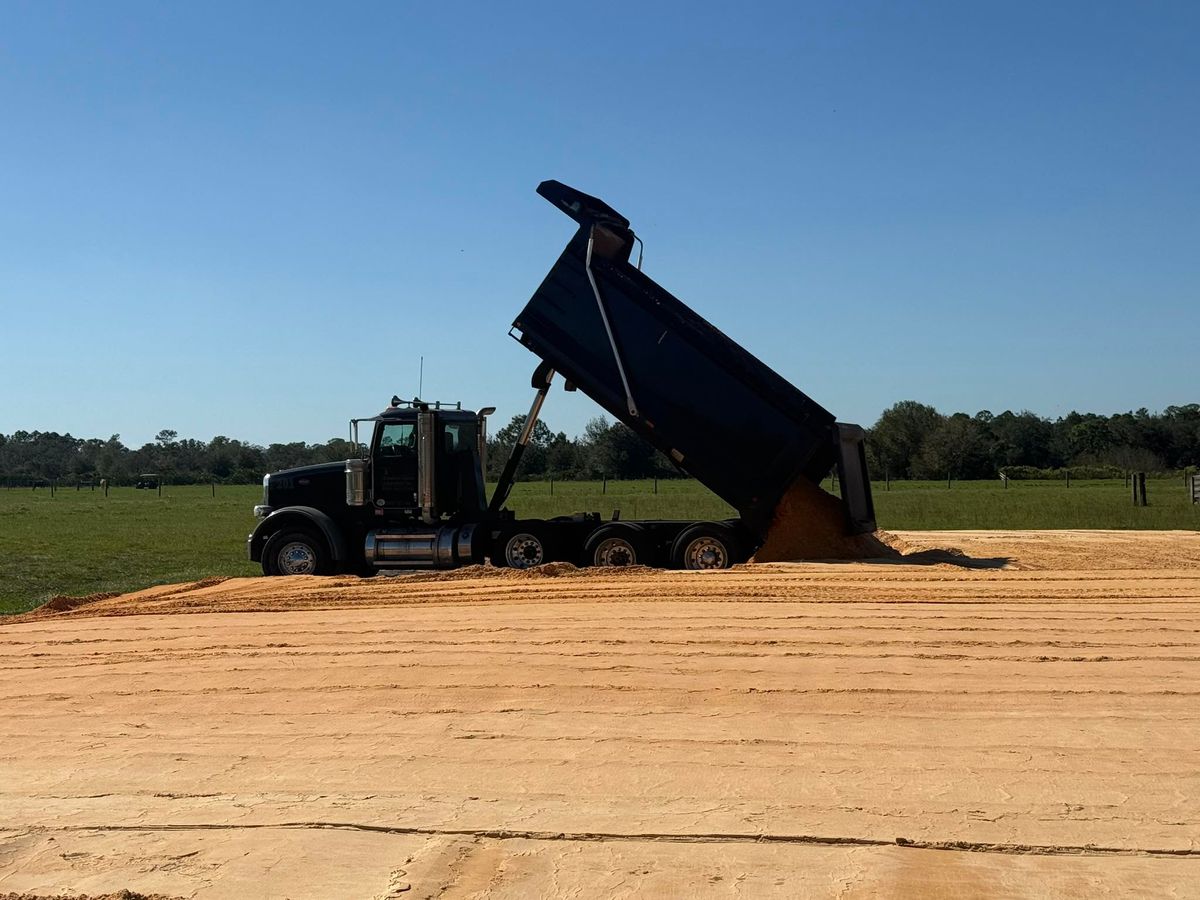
[[79, 542]]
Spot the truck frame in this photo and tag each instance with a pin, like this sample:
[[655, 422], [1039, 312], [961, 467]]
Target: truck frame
[[416, 496]]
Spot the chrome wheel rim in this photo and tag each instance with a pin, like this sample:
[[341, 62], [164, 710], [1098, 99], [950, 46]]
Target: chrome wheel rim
[[615, 551], [524, 551], [297, 558], [706, 553]]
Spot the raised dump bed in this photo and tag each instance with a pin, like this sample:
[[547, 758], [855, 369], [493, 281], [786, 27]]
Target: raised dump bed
[[721, 414]]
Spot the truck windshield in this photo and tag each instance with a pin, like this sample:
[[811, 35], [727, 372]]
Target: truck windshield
[[398, 439]]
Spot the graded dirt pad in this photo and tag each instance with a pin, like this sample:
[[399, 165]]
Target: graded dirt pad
[[1017, 719]]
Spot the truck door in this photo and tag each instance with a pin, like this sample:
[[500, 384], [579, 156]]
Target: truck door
[[396, 464], [460, 489]]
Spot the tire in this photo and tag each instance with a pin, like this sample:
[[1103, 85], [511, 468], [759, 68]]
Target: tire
[[295, 552], [705, 545], [521, 547], [616, 544]]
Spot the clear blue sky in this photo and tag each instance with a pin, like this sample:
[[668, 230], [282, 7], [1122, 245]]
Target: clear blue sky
[[251, 219]]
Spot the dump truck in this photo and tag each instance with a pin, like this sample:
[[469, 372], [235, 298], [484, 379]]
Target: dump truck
[[416, 496]]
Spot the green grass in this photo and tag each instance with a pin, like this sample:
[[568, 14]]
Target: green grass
[[926, 505], [79, 542]]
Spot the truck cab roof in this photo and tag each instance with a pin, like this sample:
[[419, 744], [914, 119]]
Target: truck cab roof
[[409, 414]]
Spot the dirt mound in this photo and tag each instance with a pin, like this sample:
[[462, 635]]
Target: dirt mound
[[811, 524], [61, 604]]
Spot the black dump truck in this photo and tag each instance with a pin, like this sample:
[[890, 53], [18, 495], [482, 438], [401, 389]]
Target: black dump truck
[[416, 498]]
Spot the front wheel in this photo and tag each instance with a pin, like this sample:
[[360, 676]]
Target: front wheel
[[705, 545], [295, 552]]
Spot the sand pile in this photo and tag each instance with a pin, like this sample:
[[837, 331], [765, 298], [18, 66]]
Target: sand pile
[[811, 524], [61, 604]]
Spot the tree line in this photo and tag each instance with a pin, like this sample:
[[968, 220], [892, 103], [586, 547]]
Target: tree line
[[910, 440], [913, 440]]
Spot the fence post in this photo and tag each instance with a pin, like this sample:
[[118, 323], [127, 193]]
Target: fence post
[[947, 481], [160, 487], [1068, 477], [604, 486], [214, 487], [887, 480], [551, 487], [1139, 489]]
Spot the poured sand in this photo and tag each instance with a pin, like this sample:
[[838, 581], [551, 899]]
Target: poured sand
[[810, 524]]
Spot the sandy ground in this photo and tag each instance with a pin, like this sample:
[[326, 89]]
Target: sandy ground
[[1017, 718]]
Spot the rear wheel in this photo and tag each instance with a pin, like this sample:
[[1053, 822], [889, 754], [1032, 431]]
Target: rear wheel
[[295, 552], [705, 545], [616, 544], [520, 548]]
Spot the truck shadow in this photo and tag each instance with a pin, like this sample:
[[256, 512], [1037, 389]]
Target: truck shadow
[[880, 554], [919, 558], [951, 557], [889, 549]]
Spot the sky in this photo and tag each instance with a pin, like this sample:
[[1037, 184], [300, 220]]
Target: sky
[[254, 219]]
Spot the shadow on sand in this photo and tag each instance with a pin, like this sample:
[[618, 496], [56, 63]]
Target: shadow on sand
[[949, 557]]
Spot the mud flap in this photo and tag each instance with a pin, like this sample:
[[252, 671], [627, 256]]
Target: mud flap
[[854, 479]]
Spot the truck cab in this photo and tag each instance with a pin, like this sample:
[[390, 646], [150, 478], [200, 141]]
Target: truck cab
[[414, 498]]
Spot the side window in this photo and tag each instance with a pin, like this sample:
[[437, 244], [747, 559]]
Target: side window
[[398, 440]]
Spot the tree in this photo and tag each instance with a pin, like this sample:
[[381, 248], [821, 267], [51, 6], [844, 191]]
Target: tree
[[1021, 439], [507, 436], [616, 451], [562, 457], [897, 437], [501, 447], [1090, 438], [954, 447]]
